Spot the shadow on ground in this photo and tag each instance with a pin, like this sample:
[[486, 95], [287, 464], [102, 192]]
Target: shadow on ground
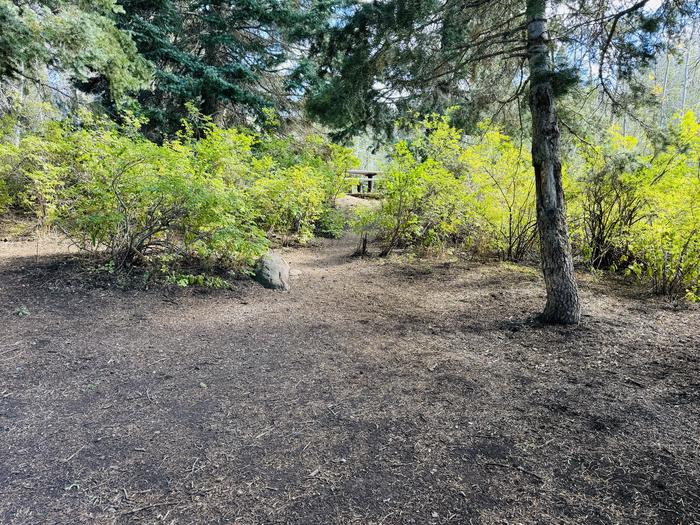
[[375, 392]]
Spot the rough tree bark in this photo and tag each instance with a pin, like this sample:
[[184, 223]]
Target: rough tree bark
[[563, 306], [210, 101]]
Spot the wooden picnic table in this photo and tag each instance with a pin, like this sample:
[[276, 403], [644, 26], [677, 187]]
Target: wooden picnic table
[[366, 181]]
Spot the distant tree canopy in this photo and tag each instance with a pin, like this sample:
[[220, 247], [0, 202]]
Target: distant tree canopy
[[354, 64], [231, 59]]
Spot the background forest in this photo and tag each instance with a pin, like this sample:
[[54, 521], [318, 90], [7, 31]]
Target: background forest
[[186, 137]]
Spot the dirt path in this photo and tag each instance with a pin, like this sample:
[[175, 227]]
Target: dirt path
[[375, 392]]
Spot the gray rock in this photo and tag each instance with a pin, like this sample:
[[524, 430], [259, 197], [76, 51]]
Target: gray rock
[[272, 272]]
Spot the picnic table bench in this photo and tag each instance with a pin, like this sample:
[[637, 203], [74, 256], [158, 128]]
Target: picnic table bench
[[366, 182]]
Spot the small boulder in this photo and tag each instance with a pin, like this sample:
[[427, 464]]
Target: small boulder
[[272, 272]]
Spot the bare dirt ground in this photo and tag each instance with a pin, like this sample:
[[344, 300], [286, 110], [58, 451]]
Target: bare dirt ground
[[375, 392]]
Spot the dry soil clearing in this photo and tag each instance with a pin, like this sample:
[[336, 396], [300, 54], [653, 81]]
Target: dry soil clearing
[[375, 392]]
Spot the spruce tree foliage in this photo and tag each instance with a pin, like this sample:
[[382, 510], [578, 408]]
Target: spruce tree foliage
[[231, 58], [384, 59], [77, 39]]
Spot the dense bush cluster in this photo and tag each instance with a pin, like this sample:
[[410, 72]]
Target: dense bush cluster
[[443, 191], [211, 197], [216, 198], [633, 206]]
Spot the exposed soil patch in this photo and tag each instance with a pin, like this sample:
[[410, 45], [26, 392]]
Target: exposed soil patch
[[375, 392]]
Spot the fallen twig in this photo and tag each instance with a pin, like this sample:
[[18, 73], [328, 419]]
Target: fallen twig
[[521, 469], [146, 507], [66, 460]]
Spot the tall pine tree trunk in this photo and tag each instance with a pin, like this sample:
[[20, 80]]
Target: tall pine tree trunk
[[210, 100], [563, 305]]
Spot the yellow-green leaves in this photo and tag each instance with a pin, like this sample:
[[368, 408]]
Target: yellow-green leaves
[[213, 195], [501, 174], [638, 208], [666, 241], [444, 189], [291, 202]]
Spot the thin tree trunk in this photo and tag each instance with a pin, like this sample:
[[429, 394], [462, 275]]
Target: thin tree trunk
[[664, 95], [563, 306], [20, 92], [684, 93]]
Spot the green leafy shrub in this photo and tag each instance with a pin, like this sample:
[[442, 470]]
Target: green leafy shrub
[[632, 205], [137, 199], [364, 223], [606, 197], [338, 160], [224, 154], [441, 190], [289, 202], [210, 197], [502, 175], [5, 197], [296, 185], [331, 223], [635, 207], [206, 281], [34, 170], [664, 246], [217, 197], [424, 205]]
